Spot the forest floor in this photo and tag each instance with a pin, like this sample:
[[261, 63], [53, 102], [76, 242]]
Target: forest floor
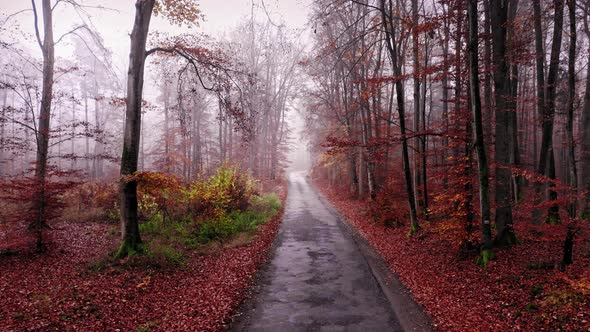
[[73, 286], [521, 290]]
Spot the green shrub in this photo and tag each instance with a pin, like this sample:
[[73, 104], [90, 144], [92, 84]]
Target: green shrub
[[226, 227], [156, 255], [147, 207], [152, 226], [172, 230], [248, 220], [163, 255], [269, 204], [215, 230], [226, 191], [221, 207]]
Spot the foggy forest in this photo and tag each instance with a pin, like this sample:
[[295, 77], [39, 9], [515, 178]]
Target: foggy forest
[[295, 165]]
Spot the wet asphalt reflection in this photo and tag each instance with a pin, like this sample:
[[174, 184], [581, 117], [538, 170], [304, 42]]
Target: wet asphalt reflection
[[317, 279]]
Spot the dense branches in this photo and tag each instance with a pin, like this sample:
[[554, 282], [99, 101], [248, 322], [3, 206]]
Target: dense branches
[[359, 72]]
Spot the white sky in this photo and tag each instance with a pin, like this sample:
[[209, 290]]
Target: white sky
[[115, 23]]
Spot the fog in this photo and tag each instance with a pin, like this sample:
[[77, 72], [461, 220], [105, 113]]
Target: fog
[[96, 58]]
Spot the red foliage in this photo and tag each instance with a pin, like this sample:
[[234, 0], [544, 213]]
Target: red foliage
[[390, 207], [58, 290], [21, 191], [24, 195], [520, 290], [164, 190]]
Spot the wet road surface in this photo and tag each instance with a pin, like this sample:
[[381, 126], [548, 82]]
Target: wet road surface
[[317, 279]]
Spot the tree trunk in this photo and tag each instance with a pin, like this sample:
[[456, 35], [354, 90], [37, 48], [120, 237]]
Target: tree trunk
[[571, 82], [274, 151], [568, 246], [367, 133], [424, 140], [399, 89], [585, 133], [513, 130], [417, 141], [87, 138], [354, 182], [220, 134], [73, 134], [166, 129], [512, 104], [445, 101], [540, 82], [499, 17], [468, 244], [488, 108], [230, 142], [128, 188], [361, 173], [3, 161], [482, 163], [547, 158], [197, 149], [98, 145], [458, 75], [43, 128]]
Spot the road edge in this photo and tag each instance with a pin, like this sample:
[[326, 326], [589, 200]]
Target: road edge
[[409, 313], [240, 319]]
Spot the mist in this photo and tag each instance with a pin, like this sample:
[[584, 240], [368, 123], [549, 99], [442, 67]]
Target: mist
[[93, 53]]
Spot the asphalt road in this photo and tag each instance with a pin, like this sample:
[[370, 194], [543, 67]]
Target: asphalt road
[[317, 279]]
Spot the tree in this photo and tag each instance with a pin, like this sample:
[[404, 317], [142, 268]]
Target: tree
[[425, 43], [47, 48], [572, 229], [502, 94], [585, 132], [128, 187], [35, 115], [483, 168], [571, 85], [390, 38], [546, 101], [3, 123], [185, 46], [419, 150], [271, 57]]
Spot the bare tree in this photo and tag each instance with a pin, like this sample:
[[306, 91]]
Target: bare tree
[[386, 9], [47, 48], [483, 169]]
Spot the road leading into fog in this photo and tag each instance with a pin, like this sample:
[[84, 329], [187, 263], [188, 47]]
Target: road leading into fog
[[317, 278]]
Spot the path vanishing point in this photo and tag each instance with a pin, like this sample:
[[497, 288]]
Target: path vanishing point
[[320, 279]]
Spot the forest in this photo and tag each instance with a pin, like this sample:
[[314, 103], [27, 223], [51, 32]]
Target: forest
[[150, 167]]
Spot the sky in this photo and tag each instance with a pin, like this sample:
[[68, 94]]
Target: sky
[[115, 21]]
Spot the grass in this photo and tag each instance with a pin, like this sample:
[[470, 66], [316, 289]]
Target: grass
[[261, 210], [166, 241], [153, 255], [162, 255]]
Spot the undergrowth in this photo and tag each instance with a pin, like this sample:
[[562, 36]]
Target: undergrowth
[[227, 226], [167, 241]]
